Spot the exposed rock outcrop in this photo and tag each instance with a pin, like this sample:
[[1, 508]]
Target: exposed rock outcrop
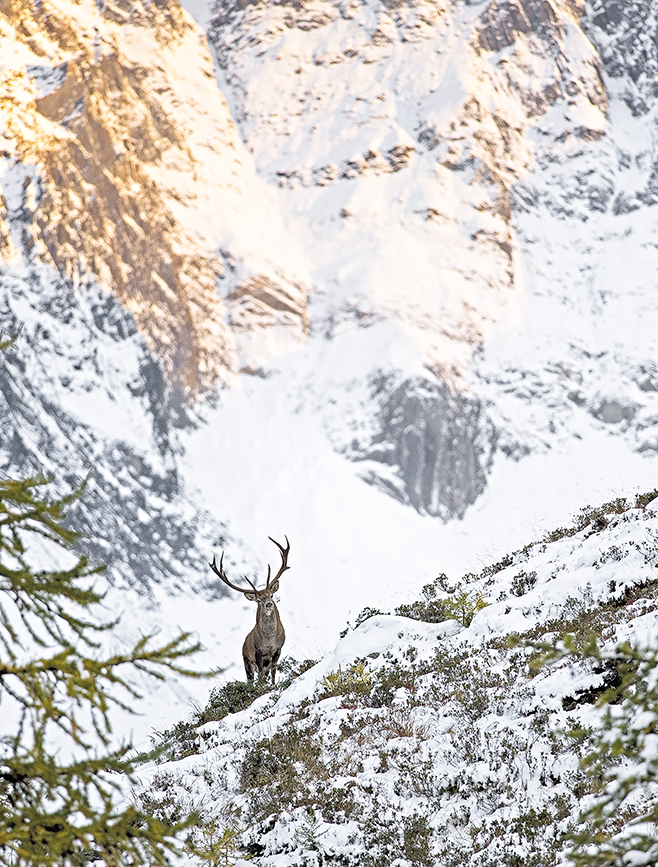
[[135, 516], [122, 164], [439, 445]]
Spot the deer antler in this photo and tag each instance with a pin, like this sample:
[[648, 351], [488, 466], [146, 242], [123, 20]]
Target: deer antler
[[221, 574], [284, 560]]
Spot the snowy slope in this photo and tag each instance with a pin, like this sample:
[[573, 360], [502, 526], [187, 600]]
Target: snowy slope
[[431, 742]]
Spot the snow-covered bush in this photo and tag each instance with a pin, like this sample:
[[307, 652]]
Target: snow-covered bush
[[619, 823]]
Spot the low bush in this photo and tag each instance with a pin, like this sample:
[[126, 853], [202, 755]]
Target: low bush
[[277, 772], [523, 582], [458, 605], [232, 697], [355, 680]]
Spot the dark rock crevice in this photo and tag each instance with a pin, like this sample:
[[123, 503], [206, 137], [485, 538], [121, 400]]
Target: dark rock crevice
[[438, 443]]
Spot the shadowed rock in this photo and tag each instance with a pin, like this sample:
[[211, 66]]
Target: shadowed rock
[[439, 444]]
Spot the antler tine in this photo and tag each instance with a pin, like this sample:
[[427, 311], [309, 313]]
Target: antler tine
[[221, 574], [247, 578], [284, 559]]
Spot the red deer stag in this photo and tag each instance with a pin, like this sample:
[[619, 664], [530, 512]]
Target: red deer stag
[[262, 647]]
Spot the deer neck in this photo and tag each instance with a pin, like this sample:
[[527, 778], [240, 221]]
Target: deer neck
[[268, 624]]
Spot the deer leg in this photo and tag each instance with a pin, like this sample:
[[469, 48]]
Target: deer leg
[[261, 665], [266, 667]]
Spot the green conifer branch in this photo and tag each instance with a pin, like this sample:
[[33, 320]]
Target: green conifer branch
[[52, 812]]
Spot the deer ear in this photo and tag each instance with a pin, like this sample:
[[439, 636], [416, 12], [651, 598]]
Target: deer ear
[[251, 596], [274, 587]]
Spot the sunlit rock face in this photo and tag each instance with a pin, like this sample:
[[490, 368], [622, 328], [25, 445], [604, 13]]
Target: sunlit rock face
[[122, 165]]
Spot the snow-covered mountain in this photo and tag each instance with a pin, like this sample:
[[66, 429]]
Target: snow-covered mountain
[[464, 171], [378, 276], [117, 146]]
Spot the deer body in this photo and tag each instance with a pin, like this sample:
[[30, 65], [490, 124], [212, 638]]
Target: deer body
[[262, 647]]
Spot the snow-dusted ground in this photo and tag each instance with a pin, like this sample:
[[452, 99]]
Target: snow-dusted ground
[[469, 741]]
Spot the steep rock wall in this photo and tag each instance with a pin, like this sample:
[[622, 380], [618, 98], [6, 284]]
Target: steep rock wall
[[121, 162]]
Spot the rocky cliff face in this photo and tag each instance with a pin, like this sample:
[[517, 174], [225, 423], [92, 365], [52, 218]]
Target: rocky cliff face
[[82, 398], [449, 164], [122, 167], [438, 443], [626, 36], [430, 107], [584, 222], [139, 254]]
